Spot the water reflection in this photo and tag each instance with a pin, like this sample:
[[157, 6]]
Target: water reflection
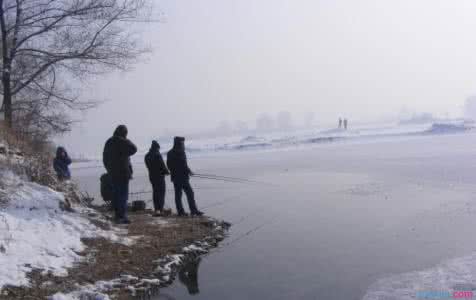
[[188, 276]]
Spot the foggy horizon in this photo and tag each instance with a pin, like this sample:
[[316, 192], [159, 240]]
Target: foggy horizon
[[218, 61]]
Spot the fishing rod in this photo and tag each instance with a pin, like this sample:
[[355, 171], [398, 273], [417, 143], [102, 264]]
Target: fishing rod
[[221, 179], [203, 176], [227, 177], [207, 176], [231, 179], [172, 190]]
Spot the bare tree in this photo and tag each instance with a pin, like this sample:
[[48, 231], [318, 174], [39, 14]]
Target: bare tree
[[48, 44]]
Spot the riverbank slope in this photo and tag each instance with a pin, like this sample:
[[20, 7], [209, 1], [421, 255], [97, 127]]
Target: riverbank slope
[[54, 247]]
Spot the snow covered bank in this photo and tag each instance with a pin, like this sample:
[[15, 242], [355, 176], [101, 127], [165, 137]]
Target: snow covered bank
[[35, 233]]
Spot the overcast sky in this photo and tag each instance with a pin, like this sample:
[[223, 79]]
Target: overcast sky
[[217, 60]]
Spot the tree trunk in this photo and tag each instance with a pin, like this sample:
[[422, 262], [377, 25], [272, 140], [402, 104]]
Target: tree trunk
[[7, 99], [6, 68]]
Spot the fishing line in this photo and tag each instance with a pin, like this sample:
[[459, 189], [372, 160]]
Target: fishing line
[[246, 234], [204, 176], [221, 179], [172, 190], [246, 217], [226, 177], [249, 232], [233, 179], [225, 201]]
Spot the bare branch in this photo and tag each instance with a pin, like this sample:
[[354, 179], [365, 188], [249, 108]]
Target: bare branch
[[48, 44]]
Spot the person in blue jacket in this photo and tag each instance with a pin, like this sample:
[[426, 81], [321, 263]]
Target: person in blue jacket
[[61, 164]]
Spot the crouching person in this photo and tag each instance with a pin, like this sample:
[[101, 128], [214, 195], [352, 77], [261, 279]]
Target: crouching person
[[116, 158], [180, 175], [61, 164]]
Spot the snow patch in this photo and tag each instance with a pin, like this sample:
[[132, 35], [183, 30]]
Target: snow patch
[[84, 295], [96, 291], [36, 234], [168, 262], [194, 248]]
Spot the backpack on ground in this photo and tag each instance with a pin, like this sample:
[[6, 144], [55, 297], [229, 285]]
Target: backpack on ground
[[107, 188]]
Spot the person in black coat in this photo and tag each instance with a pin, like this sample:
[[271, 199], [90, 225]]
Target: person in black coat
[[180, 175], [116, 158], [61, 164], [157, 172]]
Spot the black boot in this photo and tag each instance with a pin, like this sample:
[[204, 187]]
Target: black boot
[[197, 213]]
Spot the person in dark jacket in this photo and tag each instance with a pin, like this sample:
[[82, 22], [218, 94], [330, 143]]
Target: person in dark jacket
[[157, 172], [61, 164], [116, 158], [180, 175]]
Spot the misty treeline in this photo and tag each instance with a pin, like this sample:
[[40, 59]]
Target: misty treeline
[[49, 47], [266, 122]]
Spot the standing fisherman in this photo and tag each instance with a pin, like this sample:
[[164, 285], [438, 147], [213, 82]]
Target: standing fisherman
[[180, 175], [116, 159], [157, 172], [61, 164]]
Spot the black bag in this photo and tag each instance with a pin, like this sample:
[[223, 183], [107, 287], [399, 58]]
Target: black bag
[[138, 205], [107, 188]]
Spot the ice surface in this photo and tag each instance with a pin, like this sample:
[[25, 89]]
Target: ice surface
[[453, 275]]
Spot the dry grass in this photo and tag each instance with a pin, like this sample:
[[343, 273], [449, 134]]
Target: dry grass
[[33, 159]]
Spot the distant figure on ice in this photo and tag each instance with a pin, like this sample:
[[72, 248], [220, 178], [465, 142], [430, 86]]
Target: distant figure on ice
[[180, 175], [116, 158], [340, 123], [157, 172], [61, 164], [345, 124]]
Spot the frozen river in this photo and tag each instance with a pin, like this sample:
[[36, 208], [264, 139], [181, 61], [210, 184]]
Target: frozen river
[[383, 219]]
